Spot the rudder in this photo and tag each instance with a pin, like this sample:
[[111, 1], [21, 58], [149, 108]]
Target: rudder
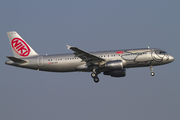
[[19, 46]]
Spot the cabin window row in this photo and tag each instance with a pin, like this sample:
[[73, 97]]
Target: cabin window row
[[79, 58], [63, 59], [108, 55]]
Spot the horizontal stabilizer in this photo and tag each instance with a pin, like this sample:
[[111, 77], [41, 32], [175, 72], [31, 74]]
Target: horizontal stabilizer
[[16, 59]]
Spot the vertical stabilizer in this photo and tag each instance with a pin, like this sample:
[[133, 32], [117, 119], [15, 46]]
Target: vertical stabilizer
[[19, 47]]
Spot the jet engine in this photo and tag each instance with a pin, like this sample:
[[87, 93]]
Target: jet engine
[[114, 65], [116, 73]]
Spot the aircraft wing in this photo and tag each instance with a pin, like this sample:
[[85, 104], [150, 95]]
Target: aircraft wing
[[85, 56]]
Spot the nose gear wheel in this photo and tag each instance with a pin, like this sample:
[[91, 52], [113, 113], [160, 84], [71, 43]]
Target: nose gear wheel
[[152, 73]]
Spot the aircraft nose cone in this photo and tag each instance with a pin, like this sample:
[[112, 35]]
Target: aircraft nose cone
[[171, 58]]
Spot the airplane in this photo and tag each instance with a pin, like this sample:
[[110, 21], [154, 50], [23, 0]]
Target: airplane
[[113, 63]]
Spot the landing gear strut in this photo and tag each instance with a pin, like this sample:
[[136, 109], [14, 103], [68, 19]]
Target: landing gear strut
[[94, 75], [152, 73]]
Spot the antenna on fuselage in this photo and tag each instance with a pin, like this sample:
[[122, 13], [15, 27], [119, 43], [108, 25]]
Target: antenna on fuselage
[[149, 48]]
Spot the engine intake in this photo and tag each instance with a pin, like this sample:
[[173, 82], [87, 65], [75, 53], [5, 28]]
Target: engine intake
[[114, 65]]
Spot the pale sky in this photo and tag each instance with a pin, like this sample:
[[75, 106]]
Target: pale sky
[[95, 25]]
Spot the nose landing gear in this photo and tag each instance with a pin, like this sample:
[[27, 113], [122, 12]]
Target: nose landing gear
[[152, 73]]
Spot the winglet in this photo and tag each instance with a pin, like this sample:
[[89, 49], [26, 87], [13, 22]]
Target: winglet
[[68, 47]]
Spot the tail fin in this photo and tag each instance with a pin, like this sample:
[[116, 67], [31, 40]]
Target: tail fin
[[19, 47]]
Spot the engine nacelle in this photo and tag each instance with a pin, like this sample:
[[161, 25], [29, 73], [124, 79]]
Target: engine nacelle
[[114, 65], [116, 73]]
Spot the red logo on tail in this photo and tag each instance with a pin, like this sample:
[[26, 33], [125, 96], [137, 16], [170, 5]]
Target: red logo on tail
[[20, 47]]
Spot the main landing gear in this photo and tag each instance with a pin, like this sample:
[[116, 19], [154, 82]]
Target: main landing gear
[[94, 75], [152, 73]]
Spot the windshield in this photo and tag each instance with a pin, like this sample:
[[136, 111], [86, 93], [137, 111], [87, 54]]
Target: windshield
[[160, 52]]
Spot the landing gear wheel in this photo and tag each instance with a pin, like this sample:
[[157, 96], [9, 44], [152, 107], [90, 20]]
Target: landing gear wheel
[[93, 75], [152, 73], [96, 79]]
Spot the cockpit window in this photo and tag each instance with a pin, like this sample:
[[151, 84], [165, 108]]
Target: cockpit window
[[160, 52]]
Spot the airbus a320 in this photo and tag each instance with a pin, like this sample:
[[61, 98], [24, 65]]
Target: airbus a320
[[113, 63]]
